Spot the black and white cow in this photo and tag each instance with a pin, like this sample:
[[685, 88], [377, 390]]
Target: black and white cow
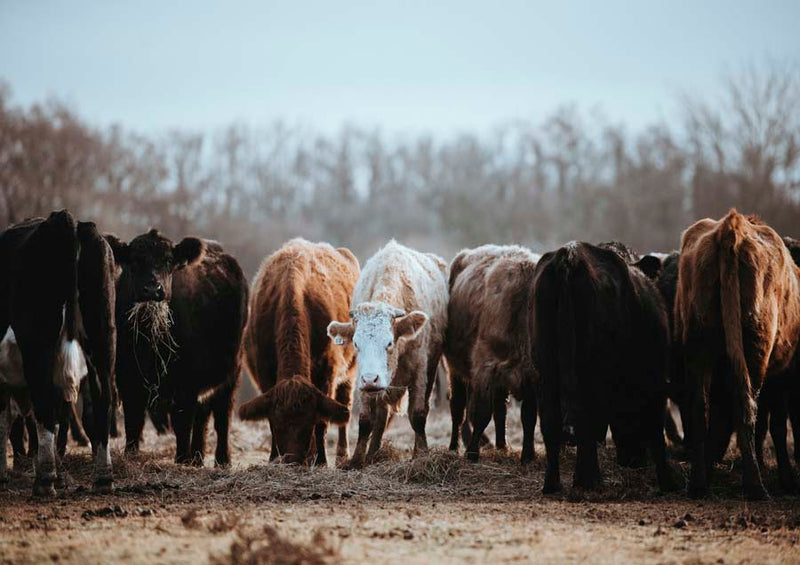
[[57, 322]]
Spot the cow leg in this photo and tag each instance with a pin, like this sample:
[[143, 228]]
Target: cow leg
[[419, 404], [223, 410], [199, 433], [365, 419], [183, 414], [762, 424], [100, 393], [665, 474], [380, 415], [5, 427], [551, 431], [671, 427], [343, 394], [587, 468], [17, 435], [63, 435], [458, 403], [76, 427], [699, 381], [321, 436], [794, 417], [528, 417], [777, 429], [133, 404], [500, 399], [38, 360], [480, 413], [273, 450]]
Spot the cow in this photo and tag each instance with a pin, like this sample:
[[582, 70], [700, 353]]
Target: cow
[[57, 319], [487, 346], [305, 381], [180, 312], [600, 339], [738, 309], [397, 327], [662, 268]]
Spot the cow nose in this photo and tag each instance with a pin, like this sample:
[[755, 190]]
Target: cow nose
[[369, 381], [159, 292]]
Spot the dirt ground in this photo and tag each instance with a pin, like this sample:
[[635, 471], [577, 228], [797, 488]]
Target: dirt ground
[[438, 508]]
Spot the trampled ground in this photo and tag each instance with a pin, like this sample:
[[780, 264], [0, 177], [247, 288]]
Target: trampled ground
[[437, 508]]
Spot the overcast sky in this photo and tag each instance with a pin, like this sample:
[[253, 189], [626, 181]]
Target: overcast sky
[[402, 66]]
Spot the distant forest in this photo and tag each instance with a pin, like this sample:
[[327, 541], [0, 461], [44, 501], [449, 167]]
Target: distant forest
[[567, 177]]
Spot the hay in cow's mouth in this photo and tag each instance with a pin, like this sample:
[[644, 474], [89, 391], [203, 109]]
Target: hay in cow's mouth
[[153, 321]]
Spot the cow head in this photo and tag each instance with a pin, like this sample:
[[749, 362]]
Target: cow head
[[294, 406], [149, 260], [380, 333]]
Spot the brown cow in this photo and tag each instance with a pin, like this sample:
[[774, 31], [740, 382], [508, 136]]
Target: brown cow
[[297, 292], [738, 305], [487, 346]]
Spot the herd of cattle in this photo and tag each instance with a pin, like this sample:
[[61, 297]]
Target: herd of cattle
[[588, 337]]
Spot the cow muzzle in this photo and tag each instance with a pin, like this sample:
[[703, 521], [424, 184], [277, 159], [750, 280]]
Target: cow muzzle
[[152, 293], [370, 382]]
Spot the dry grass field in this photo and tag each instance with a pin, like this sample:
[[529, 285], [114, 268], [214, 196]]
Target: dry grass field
[[439, 508]]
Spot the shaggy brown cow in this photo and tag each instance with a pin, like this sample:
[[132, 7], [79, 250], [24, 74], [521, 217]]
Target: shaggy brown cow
[[738, 305], [486, 345], [297, 292]]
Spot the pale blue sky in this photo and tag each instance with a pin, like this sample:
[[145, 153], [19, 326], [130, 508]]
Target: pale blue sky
[[402, 66]]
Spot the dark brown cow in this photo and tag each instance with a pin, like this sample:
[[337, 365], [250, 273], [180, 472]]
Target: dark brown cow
[[297, 292], [600, 339], [738, 306], [487, 345], [181, 310]]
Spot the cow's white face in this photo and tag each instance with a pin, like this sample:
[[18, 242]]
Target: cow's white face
[[379, 333]]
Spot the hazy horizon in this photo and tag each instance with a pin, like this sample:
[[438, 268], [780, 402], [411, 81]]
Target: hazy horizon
[[413, 68]]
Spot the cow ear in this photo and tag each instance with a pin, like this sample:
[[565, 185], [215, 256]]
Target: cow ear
[[341, 332], [650, 265], [329, 410], [409, 326], [189, 251], [258, 408], [120, 249]]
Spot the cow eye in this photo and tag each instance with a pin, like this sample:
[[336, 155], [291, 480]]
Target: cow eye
[[389, 345]]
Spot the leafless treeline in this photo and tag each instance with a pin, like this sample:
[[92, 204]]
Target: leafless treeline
[[569, 177]]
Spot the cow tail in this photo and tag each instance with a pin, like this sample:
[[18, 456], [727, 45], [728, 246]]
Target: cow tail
[[71, 362], [566, 327], [731, 305]]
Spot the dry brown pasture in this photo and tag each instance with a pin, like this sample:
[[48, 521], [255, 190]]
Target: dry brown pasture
[[438, 508]]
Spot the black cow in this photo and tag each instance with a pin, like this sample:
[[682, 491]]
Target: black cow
[[181, 310], [600, 337], [56, 316]]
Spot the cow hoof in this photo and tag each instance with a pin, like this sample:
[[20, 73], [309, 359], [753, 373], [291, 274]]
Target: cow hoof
[[551, 487], [755, 492], [353, 465], [43, 489], [60, 483], [697, 491], [527, 457], [788, 484], [103, 486], [472, 456]]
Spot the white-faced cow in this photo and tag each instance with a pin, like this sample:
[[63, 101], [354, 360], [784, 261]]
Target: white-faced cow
[[56, 316], [397, 326], [181, 309], [487, 346]]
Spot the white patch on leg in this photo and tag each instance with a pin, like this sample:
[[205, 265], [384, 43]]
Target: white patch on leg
[[70, 369], [11, 373], [46, 459]]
